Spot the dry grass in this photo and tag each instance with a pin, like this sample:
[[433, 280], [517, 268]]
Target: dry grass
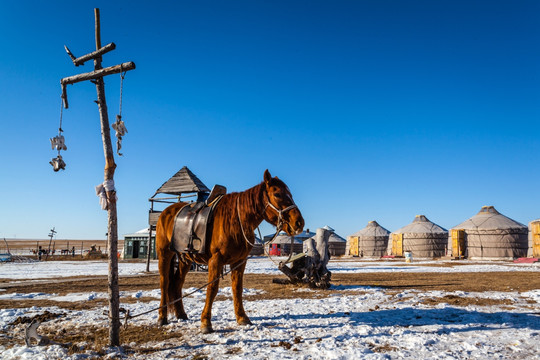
[[465, 301]]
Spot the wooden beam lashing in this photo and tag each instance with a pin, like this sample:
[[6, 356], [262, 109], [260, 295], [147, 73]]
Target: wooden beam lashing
[[64, 96], [116, 69]]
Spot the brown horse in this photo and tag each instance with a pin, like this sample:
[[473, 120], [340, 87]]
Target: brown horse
[[236, 216]]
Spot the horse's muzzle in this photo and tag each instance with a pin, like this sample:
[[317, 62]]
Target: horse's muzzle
[[295, 225]]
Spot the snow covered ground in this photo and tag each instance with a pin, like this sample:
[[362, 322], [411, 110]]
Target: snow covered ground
[[354, 322], [256, 265]]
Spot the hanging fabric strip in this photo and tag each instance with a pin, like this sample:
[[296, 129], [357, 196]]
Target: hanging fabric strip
[[101, 191]]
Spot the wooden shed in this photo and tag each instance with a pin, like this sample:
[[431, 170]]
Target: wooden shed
[[185, 186], [136, 245]]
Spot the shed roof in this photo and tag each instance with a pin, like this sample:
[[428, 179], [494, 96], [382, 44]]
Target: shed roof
[[488, 218], [184, 181]]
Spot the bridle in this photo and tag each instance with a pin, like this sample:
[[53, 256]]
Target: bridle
[[280, 221]]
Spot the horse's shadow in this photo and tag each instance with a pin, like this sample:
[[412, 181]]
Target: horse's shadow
[[451, 319]]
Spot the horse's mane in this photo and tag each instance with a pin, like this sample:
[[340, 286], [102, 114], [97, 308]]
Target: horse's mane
[[250, 204]]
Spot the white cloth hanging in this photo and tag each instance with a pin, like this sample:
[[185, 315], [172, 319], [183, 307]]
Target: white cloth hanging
[[119, 127], [121, 130], [101, 191], [58, 143], [58, 163]]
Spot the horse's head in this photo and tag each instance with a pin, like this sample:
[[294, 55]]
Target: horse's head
[[280, 210]]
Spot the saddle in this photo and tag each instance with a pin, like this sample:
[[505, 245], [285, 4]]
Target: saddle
[[192, 223]]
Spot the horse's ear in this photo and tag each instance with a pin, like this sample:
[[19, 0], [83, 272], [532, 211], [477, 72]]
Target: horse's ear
[[267, 177]]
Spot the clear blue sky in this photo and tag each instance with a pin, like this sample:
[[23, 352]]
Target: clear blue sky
[[368, 110]]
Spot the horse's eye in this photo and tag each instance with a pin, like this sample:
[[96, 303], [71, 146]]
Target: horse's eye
[[277, 195]]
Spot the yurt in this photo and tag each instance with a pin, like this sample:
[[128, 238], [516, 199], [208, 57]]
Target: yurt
[[258, 249], [336, 244], [534, 239], [371, 241], [489, 235], [282, 243], [422, 238]]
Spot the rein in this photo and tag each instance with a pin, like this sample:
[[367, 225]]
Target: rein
[[279, 225]]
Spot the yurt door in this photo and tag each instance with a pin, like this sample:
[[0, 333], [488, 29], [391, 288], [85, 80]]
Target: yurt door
[[354, 246], [397, 244], [535, 229], [458, 243]]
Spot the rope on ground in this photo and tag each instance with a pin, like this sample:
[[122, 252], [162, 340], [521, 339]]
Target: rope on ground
[[129, 316]]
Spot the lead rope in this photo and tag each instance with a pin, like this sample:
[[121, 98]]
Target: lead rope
[[129, 316]]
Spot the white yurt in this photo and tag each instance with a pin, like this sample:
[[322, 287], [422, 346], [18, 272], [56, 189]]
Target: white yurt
[[489, 235], [371, 241], [423, 238]]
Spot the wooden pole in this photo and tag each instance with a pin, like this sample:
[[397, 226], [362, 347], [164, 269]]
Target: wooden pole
[[112, 226], [96, 77], [149, 240]]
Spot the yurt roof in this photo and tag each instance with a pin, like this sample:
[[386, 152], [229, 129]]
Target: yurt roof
[[333, 236], [306, 234], [184, 181], [372, 229], [326, 227], [336, 238], [284, 238], [421, 225], [488, 218]]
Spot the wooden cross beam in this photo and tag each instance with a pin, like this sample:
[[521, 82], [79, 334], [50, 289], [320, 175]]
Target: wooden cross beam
[[95, 54], [93, 75]]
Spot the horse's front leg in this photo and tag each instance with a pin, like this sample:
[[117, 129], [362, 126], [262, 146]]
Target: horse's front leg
[[237, 279], [215, 266]]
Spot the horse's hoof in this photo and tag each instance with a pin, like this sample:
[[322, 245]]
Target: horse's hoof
[[244, 321], [182, 317], [207, 329], [162, 321]]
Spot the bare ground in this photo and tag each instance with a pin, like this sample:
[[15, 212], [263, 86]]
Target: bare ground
[[469, 282]]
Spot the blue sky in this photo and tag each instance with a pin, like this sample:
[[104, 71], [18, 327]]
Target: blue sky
[[368, 110]]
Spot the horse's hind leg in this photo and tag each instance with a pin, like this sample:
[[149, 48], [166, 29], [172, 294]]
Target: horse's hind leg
[[165, 258], [176, 288], [237, 279]]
